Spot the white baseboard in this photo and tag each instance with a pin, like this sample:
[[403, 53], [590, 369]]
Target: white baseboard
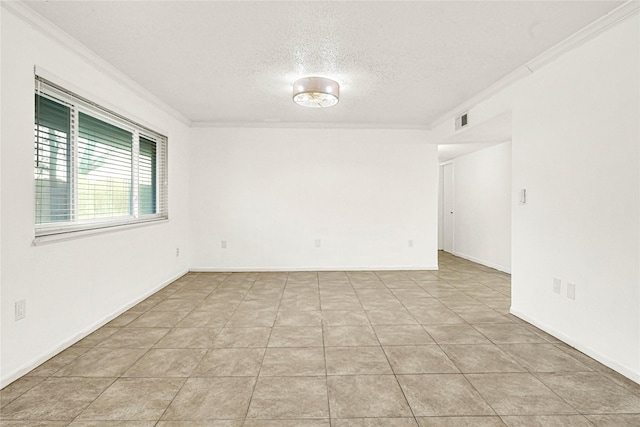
[[483, 262], [621, 369], [311, 268], [37, 361]]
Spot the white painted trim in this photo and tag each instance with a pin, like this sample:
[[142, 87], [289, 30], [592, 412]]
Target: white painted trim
[[511, 78], [311, 268], [34, 363], [567, 339], [55, 33], [444, 212], [483, 262], [623, 12], [615, 17], [103, 228], [291, 125], [611, 19]]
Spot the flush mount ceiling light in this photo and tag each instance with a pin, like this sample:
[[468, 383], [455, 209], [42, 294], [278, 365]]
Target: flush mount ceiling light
[[318, 92]]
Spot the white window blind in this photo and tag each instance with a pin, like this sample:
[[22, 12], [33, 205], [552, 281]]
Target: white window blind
[[93, 168]]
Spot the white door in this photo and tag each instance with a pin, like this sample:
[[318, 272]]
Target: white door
[[447, 207]]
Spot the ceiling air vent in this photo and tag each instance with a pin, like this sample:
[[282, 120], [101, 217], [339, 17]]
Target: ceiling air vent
[[462, 121]]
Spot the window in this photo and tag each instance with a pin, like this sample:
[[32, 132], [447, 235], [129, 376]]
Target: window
[[93, 168]]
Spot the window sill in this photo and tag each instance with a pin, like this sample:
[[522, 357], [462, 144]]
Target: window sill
[[64, 236]]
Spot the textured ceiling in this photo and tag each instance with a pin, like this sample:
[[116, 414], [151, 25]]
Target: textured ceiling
[[399, 64]]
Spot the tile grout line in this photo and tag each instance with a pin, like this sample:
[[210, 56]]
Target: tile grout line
[[190, 375], [184, 382], [266, 347], [449, 272], [324, 355]]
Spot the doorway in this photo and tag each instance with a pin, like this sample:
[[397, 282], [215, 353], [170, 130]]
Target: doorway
[[447, 207]]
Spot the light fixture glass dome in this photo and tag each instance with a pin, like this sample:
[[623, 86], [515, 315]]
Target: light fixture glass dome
[[317, 92]]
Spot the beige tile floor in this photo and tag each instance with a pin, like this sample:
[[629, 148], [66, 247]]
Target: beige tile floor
[[391, 348]]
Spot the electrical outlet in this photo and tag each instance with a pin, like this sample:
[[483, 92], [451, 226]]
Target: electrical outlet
[[317, 243], [177, 251], [410, 243], [223, 244], [557, 285], [21, 309], [571, 290]]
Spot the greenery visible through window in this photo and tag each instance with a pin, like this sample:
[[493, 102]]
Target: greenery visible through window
[[53, 174], [93, 168], [104, 170]]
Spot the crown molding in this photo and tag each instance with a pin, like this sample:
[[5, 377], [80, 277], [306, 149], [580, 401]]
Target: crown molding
[[303, 125], [45, 27], [611, 19], [55, 33]]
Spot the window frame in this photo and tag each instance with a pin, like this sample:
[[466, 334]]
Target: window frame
[[74, 226]]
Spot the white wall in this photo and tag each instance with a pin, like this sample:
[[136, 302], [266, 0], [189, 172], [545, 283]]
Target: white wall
[[73, 287], [270, 193], [576, 151], [482, 212], [1, 238], [441, 208]]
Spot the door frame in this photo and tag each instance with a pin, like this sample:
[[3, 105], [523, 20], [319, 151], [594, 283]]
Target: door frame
[[442, 213]]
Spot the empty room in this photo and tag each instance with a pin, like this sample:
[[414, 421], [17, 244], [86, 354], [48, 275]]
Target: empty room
[[319, 213]]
